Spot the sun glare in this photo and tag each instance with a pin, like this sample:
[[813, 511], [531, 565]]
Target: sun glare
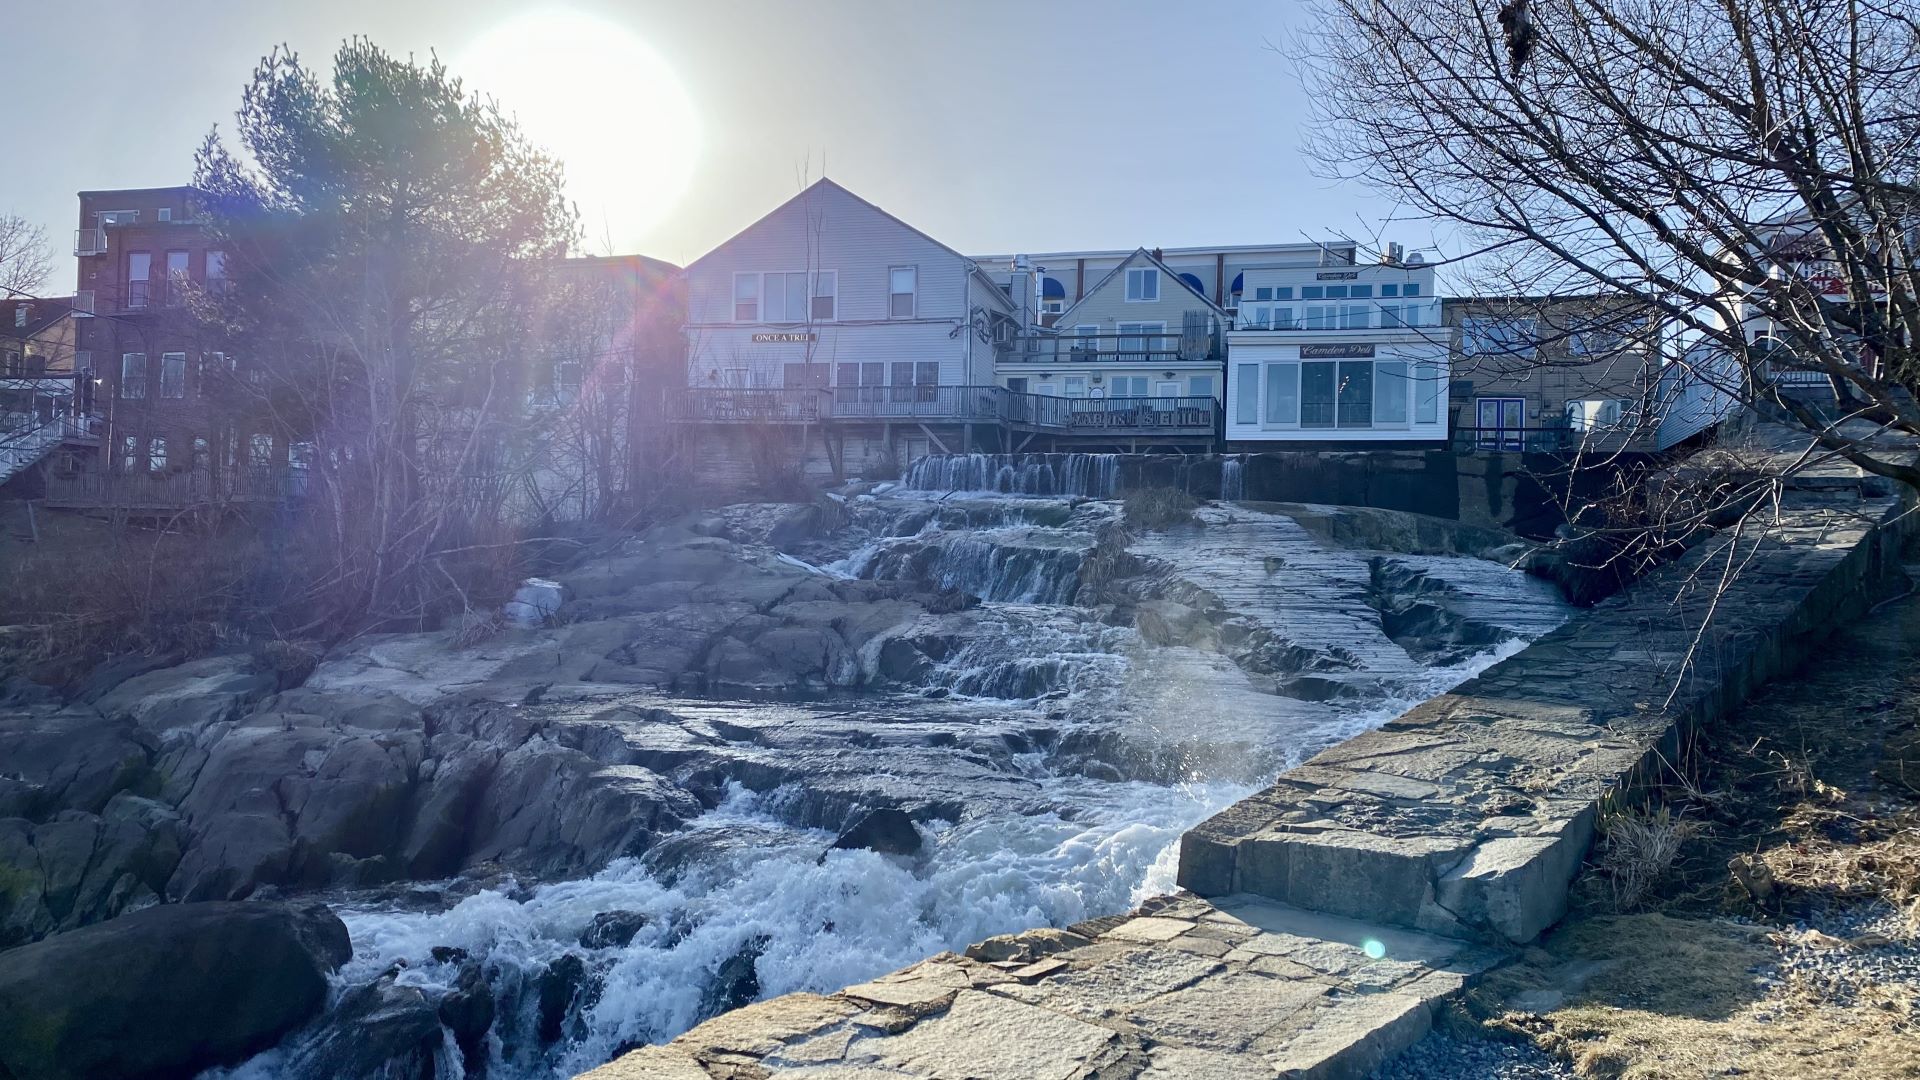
[[602, 101]]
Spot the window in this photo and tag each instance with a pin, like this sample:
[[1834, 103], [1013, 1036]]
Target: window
[[1390, 392], [199, 460], [1495, 336], [786, 298], [260, 451], [804, 376], [1322, 316], [1017, 384], [1283, 292], [1313, 292], [1359, 292], [1597, 339], [1075, 386], [216, 270], [129, 453], [1088, 344], [1283, 393], [117, 217], [746, 298], [903, 283], [1143, 283], [1263, 292], [1169, 388], [1318, 391], [1246, 393], [173, 375], [156, 454], [1389, 289], [1199, 386], [1139, 339], [1426, 409], [176, 276], [1355, 316], [1389, 315], [567, 377], [1130, 386], [165, 213], [139, 271], [1411, 288], [1336, 292], [133, 375], [1355, 396], [1052, 306], [826, 296], [211, 364], [20, 315]]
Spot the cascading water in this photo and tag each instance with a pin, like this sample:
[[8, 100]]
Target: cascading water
[[1233, 477], [1071, 755], [1091, 475]]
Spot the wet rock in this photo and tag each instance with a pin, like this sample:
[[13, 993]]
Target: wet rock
[[886, 830], [613, 929], [558, 986], [467, 1011], [183, 700], [167, 991], [377, 1031], [736, 983], [447, 954]]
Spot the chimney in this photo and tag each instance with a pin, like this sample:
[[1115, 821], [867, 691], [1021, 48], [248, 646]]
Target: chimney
[[1023, 288]]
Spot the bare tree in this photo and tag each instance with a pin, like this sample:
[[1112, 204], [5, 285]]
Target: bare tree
[[26, 256], [1745, 171]]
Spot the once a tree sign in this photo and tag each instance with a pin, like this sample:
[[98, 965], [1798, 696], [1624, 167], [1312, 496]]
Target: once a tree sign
[[783, 337], [1336, 352]]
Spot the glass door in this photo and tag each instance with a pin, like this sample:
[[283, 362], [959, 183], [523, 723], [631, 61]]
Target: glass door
[[1502, 423]]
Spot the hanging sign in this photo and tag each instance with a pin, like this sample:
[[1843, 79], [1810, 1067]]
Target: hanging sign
[[1336, 352]]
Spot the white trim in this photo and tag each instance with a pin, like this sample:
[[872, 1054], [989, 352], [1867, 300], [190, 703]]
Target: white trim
[[913, 308], [1126, 286], [759, 299]]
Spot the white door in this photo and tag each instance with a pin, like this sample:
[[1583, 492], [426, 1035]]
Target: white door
[[1166, 389]]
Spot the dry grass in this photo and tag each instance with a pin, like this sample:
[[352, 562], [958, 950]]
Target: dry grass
[[1652, 997], [1638, 849]]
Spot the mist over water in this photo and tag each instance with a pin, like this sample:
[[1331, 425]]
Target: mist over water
[[1140, 743]]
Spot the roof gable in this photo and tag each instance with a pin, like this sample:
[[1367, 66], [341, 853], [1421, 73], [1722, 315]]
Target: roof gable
[[822, 184], [1140, 256]]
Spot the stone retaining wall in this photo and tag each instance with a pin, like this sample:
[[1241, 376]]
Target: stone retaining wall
[[1470, 814]]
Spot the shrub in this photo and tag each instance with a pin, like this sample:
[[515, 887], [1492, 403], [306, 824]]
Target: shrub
[[1157, 508]]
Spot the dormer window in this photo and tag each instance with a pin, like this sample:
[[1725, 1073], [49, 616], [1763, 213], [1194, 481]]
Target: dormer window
[[1143, 283]]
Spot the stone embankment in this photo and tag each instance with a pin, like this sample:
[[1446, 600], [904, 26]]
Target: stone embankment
[[1368, 883]]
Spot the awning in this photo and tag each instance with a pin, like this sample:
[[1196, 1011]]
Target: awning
[[1193, 281], [1052, 290], [1239, 280]]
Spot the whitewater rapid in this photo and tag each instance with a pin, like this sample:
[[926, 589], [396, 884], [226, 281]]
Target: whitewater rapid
[[744, 880]]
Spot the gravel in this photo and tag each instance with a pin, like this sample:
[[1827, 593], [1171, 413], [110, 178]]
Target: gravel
[[1443, 1056], [1837, 953]]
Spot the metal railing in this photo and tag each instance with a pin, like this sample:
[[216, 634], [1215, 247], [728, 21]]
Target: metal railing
[[948, 404], [1512, 440], [1068, 347], [89, 242], [26, 438]]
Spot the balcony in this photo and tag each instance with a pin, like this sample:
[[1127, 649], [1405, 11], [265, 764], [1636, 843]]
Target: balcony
[[1146, 349], [1338, 314], [948, 404], [89, 242]]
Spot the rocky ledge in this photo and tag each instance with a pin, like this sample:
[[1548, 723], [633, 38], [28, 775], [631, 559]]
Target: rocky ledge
[[1238, 987]]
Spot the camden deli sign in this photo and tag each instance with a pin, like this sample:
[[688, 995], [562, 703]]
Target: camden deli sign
[[787, 338], [1336, 352]]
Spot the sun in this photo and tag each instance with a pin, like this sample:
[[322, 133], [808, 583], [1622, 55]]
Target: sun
[[605, 104]]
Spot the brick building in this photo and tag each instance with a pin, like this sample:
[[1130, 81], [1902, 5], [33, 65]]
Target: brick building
[[172, 407]]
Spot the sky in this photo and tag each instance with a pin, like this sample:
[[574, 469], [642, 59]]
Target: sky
[[996, 127]]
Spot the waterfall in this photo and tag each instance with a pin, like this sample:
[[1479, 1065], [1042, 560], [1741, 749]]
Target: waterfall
[[1093, 475], [1017, 565], [1233, 477]]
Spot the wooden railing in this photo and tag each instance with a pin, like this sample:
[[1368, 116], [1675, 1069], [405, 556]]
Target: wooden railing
[[1067, 347], [181, 490], [947, 404]]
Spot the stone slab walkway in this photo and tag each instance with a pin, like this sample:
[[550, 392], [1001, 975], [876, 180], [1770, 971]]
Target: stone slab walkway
[[1239, 987]]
